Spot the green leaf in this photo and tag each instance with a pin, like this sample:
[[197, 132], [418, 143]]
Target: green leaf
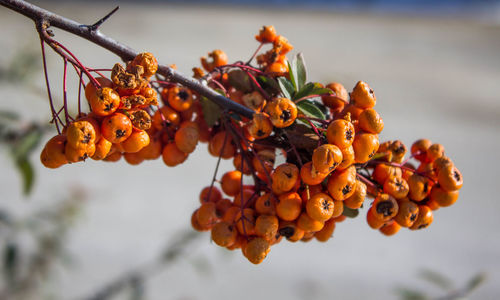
[[27, 173], [240, 80], [27, 144], [410, 294], [437, 279], [286, 87], [301, 73], [211, 111], [310, 109], [291, 73], [10, 261], [268, 83], [311, 88], [475, 281], [350, 213]]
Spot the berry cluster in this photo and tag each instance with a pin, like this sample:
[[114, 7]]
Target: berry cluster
[[311, 151], [118, 121]]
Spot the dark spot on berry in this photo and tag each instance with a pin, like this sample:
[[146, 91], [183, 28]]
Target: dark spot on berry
[[423, 226], [86, 138], [108, 107], [426, 187], [385, 208], [413, 217], [286, 115], [348, 134], [287, 231], [346, 189], [260, 132], [371, 154], [325, 204], [267, 203], [120, 133], [456, 175], [289, 175], [183, 95]]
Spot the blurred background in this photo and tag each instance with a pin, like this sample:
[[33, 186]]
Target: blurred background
[[100, 230]]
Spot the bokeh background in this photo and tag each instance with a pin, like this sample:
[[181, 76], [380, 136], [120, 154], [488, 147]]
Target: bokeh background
[[435, 68]]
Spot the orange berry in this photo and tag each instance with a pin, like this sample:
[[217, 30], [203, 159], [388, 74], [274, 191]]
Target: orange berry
[[231, 183], [210, 194], [140, 119], [373, 221], [91, 89], [136, 141], [230, 214], [153, 150], [450, 178], [207, 214], [338, 209], [194, 222], [266, 226], [308, 224], [326, 233], [390, 228], [357, 199], [326, 158], [362, 95], [289, 206], [102, 149], [180, 98], [224, 234], [443, 197], [133, 158], [382, 172], [241, 164], [347, 158], [434, 152], [320, 207], [80, 134], [116, 128], [420, 187], [172, 156], [340, 133], [424, 218], [253, 100], [267, 34], [281, 111], [78, 154], [256, 250], [266, 204], [419, 149], [342, 184], [147, 61], [370, 121], [165, 116], [104, 102], [53, 155], [221, 145], [310, 176], [396, 187], [336, 101], [385, 207], [219, 58], [186, 138], [284, 178], [365, 146], [245, 223], [263, 161], [407, 213], [260, 127], [290, 231], [247, 194]]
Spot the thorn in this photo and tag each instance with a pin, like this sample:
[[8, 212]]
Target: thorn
[[97, 24]]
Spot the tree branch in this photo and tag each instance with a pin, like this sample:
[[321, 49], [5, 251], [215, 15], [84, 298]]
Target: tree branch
[[93, 34]]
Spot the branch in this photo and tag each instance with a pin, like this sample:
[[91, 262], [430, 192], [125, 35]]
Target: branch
[[93, 34]]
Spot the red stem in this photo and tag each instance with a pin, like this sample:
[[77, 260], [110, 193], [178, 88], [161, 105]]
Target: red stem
[[47, 83]]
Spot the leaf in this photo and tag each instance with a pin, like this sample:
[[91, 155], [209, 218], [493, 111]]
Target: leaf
[[301, 73], [436, 278], [240, 80], [286, 87], [310, 109], [409, 294], [27, 173], [10, 261], [23, 148], [474, 282], [211, 111], [311, 88], [350, 213], [291, 73], [268, 83]]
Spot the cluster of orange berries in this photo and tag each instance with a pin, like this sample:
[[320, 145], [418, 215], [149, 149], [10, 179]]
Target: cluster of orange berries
[[405, 195], [118, 122], [326, 138]]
